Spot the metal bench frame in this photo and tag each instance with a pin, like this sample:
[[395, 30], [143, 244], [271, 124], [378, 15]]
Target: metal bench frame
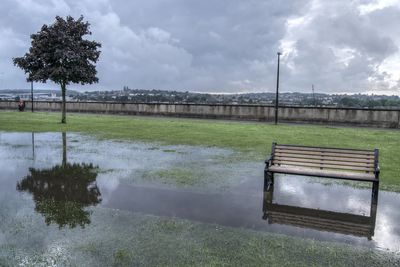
[[321, 170]]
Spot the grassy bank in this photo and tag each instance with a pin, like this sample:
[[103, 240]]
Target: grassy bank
[[247, 137]]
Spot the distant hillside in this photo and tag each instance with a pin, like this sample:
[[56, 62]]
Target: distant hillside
[[265, 98], [26, 91], [295, 99]]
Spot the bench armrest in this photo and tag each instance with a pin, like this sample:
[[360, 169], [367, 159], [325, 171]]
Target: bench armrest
[[378, 169], [268, 161]]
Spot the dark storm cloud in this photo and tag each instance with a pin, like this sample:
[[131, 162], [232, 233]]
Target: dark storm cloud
[[221, 46]]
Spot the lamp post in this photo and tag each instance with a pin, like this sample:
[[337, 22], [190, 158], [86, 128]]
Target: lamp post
[[313, 94], [32, 95], [277, 90]]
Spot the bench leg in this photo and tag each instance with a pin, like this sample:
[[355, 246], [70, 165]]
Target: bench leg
[[372, 214], [375, 189], [268, 199], [269, 195], [268, 180]]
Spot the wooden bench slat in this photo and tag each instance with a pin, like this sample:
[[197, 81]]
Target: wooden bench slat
[[324, 166], [319, 214], [343, 229], [324, 152], [319, 222], [320, 153], [323, 161], [299, 156], [339, 148], [333, 150], [351, 164], [368, 177]]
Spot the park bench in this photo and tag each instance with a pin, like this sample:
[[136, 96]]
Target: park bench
[[338, 163]]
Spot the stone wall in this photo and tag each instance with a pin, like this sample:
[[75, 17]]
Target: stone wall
[[385, 118]]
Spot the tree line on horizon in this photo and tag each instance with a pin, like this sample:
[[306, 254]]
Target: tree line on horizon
[[300, 99]]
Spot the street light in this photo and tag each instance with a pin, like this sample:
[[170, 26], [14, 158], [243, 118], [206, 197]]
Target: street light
[[277, 90]]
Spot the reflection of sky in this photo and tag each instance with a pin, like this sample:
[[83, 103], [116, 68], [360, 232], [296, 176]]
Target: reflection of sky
[[292, 190], [120, 160], [107, 186]]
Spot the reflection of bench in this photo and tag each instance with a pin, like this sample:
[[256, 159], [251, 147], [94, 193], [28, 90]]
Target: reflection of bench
[[339, 163], [322, 220]]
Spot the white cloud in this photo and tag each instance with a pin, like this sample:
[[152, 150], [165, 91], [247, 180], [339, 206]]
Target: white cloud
[[375, 5], [341, 50]]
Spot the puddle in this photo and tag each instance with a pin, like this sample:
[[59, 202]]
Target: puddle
[[59, 180]]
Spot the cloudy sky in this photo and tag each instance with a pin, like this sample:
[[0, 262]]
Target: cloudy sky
[[222, 46]]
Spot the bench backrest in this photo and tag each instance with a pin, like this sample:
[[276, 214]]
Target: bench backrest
[[325, 158]]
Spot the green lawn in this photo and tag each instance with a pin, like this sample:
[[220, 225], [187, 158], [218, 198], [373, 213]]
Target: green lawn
[[242, 136]]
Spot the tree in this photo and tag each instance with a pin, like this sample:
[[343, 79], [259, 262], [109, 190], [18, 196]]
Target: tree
[[60, 54]]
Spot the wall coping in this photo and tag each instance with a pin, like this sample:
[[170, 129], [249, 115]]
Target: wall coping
[[206, 104]]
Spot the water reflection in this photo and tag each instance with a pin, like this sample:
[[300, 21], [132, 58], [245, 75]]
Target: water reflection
[[63, 192], [33, 145], [322, 220]]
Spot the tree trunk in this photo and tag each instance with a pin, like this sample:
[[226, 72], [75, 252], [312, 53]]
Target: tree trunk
[[64, 142], [63, 118]]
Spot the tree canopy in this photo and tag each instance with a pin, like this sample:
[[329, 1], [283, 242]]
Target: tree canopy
[[60, 54]]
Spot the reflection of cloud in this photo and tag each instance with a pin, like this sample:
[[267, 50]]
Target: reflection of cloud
[[302, 192], [386, 237], [2, 238], [296, 191], [357, 204], [286, 187], [388, 226], [310, 192], [107, 183]]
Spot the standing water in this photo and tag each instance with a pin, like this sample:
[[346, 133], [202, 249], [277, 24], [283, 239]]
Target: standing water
[[59, 187]]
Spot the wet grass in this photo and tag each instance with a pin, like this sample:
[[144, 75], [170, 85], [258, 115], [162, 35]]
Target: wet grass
[[175, 176], [190, 176], [253, 138], [146, 240]]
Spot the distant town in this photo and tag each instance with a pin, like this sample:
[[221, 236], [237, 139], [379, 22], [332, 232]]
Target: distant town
[[163, 96]]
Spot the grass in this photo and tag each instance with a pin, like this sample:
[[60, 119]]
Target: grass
[[255, 138], [120, 238], [176, 176]]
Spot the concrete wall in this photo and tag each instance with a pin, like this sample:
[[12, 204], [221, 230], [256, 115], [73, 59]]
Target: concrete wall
[[343, 116]]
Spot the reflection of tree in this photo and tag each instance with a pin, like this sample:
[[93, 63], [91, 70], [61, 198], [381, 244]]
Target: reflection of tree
[[62, 193]]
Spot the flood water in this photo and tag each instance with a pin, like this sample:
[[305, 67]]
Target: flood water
[[62, 178]]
